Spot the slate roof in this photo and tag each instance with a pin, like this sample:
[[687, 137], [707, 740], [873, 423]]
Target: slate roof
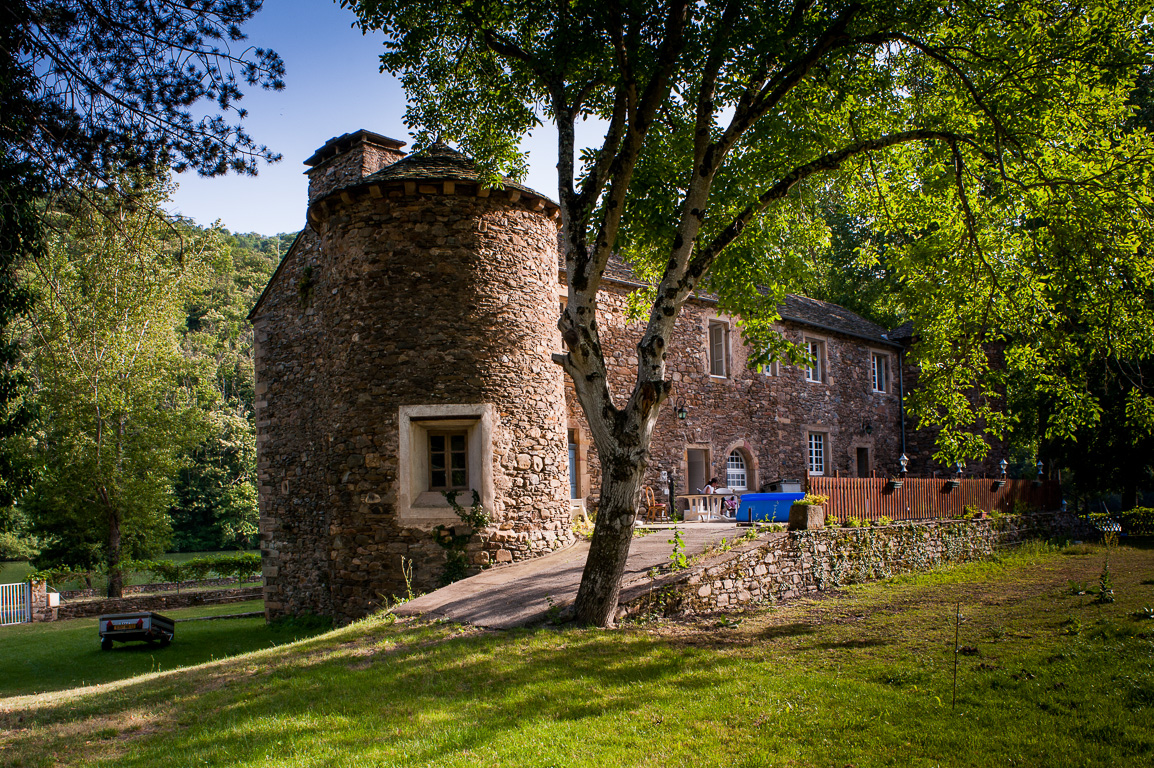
[[437, 162], [799, 309], [904, 332], [832, 317]]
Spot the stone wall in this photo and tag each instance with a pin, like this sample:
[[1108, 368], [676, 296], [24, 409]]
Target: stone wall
[[351, 165], [781, 566], [41, 610], [81, 608], [292, 443], [765, 417], [420, 308]]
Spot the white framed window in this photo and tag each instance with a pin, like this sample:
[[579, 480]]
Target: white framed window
[[815, 459], [718, 349], [736, 475], [880, 375], [772, 368], [815, 366], [448, 460]]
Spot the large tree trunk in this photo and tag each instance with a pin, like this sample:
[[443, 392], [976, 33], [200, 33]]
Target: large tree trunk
[[115, 572], [612, 536]]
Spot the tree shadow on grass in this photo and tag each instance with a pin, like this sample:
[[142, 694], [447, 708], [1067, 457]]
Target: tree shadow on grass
[[794, 629], [873, 642], [435, 693]]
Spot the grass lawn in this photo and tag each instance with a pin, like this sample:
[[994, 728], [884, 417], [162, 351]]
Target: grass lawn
[[860, 678], [66, 654], [15, 570]]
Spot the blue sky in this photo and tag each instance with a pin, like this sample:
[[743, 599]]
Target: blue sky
[[332, 86]]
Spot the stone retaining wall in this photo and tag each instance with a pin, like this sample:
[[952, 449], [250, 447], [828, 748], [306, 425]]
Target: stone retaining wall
[[159, 603], [780, 566]]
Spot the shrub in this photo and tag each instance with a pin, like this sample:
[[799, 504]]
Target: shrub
[[13, 547], [160, 570], [813, 500], [1137, 522], [1133, 522], [240, 565]]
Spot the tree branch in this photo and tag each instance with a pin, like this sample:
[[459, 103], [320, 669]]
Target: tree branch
[[830, 162]]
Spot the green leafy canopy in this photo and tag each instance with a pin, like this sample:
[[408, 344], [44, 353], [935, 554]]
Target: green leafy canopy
[[985, 145], [990, 147]]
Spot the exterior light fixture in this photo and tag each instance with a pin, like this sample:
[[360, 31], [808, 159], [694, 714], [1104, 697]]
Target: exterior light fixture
[[1001, 481], [867, 428], [1041, 467], [897, 482], [682, 412], [956, 480]]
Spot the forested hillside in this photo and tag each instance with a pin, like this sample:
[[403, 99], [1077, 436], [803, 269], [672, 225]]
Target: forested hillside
[[215, 492], [137, 363]]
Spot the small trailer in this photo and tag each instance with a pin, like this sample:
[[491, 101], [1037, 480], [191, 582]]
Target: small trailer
[[147, 626]]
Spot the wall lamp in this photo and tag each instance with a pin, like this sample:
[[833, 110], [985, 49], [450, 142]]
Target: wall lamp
[[682, 412], [1001, 481]]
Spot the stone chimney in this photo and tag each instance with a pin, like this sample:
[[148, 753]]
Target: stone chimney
[[349, 158]]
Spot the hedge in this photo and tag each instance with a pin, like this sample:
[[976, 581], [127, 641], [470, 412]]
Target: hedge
[[1133, 522], [240, 565]]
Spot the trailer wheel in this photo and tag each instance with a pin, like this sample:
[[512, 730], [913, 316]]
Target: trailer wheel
[[106, 643], [164, 642]]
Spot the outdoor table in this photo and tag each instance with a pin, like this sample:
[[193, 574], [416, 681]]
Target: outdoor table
[[705, 506]]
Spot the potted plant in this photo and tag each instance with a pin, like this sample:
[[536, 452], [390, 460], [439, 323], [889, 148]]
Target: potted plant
[[808, 513]]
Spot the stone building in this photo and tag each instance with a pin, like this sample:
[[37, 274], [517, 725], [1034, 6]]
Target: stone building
[[403, 350]]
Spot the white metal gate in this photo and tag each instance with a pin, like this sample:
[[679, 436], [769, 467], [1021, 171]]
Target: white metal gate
[[15, 603]]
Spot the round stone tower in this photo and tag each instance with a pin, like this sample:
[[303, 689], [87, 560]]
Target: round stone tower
[[437, 300]]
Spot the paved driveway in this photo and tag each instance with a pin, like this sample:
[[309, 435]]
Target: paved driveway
[[520, 594]]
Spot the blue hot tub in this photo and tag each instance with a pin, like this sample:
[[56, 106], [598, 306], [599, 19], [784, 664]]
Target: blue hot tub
[[766, 507]]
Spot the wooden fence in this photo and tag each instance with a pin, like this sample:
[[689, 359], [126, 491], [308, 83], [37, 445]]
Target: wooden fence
[[929, 498]]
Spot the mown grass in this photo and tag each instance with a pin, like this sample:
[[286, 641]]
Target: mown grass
[[66, 654], [860, 678], [15, 570]]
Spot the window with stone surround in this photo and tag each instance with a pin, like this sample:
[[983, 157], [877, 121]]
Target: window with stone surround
[[815, 365], [442, 448], [772, 368], [448, 460], [816, 453], [718, 349]]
